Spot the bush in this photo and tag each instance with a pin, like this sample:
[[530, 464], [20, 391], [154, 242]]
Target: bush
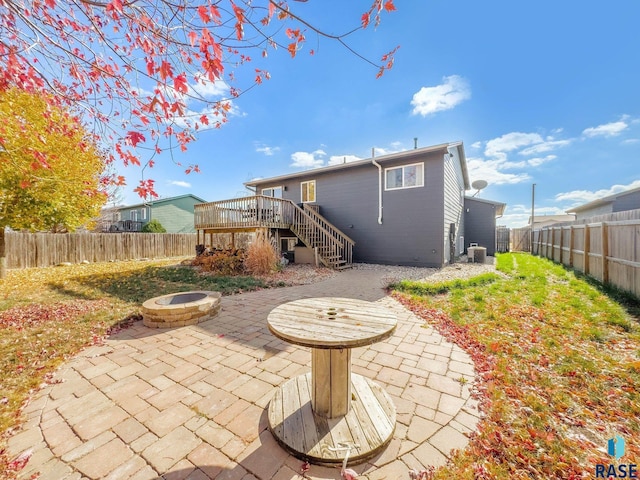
[[222, 262], [153, 226], [261, 257]]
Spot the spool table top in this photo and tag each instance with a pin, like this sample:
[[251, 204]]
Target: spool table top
[[331, 322]]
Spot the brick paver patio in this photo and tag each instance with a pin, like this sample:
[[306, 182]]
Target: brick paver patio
[[190, 402]]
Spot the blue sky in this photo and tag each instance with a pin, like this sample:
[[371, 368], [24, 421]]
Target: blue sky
[[541, 92]]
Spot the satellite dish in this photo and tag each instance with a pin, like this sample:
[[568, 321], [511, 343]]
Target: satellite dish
[[479, 185]]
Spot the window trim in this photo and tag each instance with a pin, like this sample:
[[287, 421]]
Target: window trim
[[275, 187], [403, 187], [302, 191]]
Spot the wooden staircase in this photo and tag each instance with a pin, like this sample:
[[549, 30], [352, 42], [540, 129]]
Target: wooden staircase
[[332, 247]]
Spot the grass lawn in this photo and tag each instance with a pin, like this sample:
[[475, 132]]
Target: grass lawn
[[558, 363], [49, 314]]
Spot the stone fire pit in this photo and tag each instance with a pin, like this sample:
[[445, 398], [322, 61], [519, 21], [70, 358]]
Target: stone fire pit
[[180, 309]]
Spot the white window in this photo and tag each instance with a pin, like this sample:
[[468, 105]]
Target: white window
[[308, 191], [406, 176], [143, 211], [134, 215], [275, 192]]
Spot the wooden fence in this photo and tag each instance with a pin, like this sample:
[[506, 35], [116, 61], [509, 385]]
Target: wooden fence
[[520, 239], [606, 251], [23, 250]]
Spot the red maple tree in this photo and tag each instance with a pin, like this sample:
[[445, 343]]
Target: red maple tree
[[133, 65]]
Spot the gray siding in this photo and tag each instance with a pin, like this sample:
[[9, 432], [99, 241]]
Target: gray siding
[[599, 210], [630, 201], [453, 202], [480, 224], [412, 220]]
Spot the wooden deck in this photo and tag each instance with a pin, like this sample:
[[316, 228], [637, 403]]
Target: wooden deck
[[367, 427], [331, 246]]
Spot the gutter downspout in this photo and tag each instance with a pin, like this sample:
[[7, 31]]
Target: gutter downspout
[[373, 161]]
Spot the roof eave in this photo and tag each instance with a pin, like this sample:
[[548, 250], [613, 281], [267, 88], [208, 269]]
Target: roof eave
[[382, 159]]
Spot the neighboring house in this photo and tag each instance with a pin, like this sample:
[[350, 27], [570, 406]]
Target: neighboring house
[[480, 222], [405, 208], [619, 202], [174, 213], [541, 221]]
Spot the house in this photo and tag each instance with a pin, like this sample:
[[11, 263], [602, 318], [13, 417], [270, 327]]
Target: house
[[174, 213], [480, 222], [406, 208], [541, 221], [618, 202]]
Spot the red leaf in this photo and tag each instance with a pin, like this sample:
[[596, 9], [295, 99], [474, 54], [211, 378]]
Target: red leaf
[[239, 13], [165, 70], [133, 138], [389, 6], [204, 15], [215, 13], [292, 48], [180, 83], [193, 37], [18, 464], [365, 20]]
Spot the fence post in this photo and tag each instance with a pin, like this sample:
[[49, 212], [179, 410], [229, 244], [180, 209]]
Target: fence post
[[571, 243], [562, 245], [605, 252], [3, 257], [587, 246]]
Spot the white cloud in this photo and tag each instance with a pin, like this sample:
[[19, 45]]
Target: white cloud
[[545, 146], [453, 91], [476, 144], [490, 170], [580, 197], [518, 215], [191, 117], [395, 147], [497, 169], [498, 147], [612, 129], [308, 159], [536, 162], [180, 183], [207, 89], [267, 150], [340, 159]]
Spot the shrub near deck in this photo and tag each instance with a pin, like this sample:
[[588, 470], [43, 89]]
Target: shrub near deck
[[560, 369]]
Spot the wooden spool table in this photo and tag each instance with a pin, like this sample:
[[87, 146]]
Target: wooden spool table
[[314, 414]]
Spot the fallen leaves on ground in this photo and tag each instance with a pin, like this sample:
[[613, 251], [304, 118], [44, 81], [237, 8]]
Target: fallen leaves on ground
[[556, 372]]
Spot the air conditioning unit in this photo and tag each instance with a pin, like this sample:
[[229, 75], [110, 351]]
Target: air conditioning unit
[[476, 254]]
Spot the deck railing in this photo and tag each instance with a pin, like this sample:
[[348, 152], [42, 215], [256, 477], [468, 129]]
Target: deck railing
[[245, 212], [341, 243]]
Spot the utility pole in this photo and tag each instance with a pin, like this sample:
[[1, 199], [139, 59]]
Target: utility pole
[[533, 202]]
